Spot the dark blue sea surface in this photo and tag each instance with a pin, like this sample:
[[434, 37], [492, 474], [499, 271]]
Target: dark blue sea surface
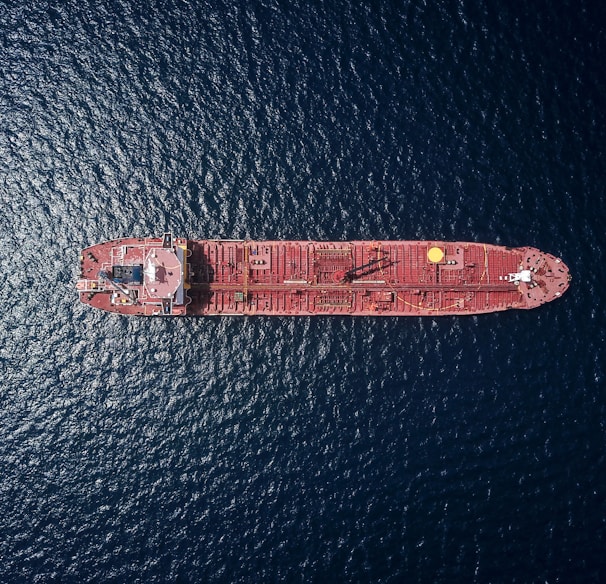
[[301, 449]]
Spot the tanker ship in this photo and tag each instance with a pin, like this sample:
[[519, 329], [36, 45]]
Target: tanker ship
[[172, 276]]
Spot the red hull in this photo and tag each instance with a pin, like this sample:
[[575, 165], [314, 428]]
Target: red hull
[[178, 277]]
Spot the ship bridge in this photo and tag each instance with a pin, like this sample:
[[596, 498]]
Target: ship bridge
[[164, 276], [163, 272]]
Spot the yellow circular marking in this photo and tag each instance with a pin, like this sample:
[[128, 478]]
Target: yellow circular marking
[[435, 255]]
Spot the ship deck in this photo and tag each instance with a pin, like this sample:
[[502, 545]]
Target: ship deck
[[231, 277]]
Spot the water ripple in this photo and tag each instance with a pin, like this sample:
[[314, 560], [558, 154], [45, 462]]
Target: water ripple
[[299, 449]]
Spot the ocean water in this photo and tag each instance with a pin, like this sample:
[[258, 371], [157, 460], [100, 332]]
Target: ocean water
[[308, 449]]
